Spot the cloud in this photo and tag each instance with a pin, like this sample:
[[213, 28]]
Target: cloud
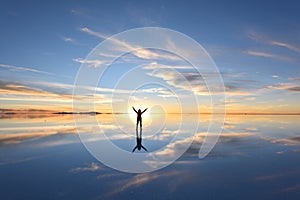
[[267, 55], [10, 88], [294, 78], [189, 81], [136, 50], [94, 33], [294, 89], [68, 39], [286, 45], [23, 69], [155, 65], [261, 38], [285, 86], [194, 82], [94, 63], [249, 98], [93, 167], [59, 93]]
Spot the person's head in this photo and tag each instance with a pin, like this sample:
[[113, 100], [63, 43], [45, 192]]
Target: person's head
[[139, 110]]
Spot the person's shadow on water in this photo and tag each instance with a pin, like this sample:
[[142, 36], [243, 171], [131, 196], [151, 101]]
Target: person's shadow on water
[[139, 145]]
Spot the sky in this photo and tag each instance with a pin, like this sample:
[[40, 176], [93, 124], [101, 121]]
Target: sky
[[254, 44]]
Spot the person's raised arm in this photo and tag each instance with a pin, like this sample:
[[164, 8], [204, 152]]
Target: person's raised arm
[[134, 149], [134, 109], [144, 148], [144, 110]]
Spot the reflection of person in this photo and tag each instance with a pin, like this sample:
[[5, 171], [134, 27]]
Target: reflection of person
[[139, 145], [139, 116]]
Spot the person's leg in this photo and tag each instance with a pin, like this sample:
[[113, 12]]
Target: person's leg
[[141, 122]]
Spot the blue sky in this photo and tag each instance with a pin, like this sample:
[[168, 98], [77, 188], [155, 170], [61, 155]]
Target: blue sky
[[255, 44]]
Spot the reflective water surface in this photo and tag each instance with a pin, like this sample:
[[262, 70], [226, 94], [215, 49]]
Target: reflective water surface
[[256, 157]]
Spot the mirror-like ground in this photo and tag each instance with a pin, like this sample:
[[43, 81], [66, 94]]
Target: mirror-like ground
[[256, 157]]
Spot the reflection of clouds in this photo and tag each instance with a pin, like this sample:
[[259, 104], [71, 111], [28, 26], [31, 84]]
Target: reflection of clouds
[[172, 148], [166, 134], [229, 126], [15, 161], [33, 127], [16, 138], [251, 129], [46, 132], [90, 167], [48, 129], [26, 114], [276, 176], [108, 175], [282, 176], [291, 188], [287, 141], [141, 179]]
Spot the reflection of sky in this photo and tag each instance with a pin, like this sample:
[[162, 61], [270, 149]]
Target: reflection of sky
[[257, 157]]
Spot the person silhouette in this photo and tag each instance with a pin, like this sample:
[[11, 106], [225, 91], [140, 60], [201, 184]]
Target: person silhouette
[[139, 145], [139, 116]]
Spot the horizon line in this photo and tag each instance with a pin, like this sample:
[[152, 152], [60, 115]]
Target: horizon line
[[41, 111]]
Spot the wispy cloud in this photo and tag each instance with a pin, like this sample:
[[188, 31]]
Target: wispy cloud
[[286, 45], [294, 78], [136, 50], [10, 88], [68, 39], [94, 33], [285, 86], [264, 39], [249, 98], [94, 63], [23, 69], [155, 65], [268, 55]]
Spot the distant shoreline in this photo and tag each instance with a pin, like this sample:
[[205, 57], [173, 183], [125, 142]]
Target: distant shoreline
[[49, 112]]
